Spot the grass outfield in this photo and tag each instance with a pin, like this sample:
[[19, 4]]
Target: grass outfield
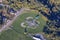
[[19, 33]]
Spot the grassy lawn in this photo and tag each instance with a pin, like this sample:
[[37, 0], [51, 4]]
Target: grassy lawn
[[19, 33]]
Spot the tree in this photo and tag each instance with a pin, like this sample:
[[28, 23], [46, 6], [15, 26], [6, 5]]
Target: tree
[[53, 17]]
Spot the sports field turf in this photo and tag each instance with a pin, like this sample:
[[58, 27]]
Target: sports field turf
[[17, 32]]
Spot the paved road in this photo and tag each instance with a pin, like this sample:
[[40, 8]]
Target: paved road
[[10, 22]]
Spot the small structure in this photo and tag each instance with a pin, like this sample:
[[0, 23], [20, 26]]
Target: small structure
[[12, 10], [38, 37]]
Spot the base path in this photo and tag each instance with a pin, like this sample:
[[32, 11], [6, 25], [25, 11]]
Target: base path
[[10, 22]]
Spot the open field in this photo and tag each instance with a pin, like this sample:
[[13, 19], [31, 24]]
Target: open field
[[17, 32]]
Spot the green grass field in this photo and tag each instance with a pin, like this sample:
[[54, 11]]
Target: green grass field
[[18, 32]]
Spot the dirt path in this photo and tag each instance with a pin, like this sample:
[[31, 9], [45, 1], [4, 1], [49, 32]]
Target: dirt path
[[10, 22]]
